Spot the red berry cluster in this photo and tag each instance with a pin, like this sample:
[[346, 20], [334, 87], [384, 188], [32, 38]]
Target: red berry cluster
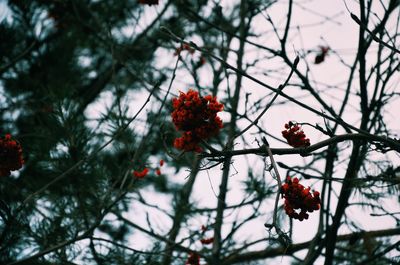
[[298, 197], [184, 47], [197, 117], [158, 170], [145, 171], [141, 174], [295, 135], [193, 259], [207, 241], [201, 61], [10, 155]]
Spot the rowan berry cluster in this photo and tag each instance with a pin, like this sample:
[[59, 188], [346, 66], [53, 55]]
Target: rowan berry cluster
[[158, 170], [193, 259], [184, 47], [197, 117], [298, 197], [295, 135], [141, 174], [145, 171], [207, 241], [10, 155]]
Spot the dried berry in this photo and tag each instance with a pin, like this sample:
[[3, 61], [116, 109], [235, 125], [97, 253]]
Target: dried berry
[[320, 57]]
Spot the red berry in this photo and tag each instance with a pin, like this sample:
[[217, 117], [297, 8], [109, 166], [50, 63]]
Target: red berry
[[295, 136], [141, 174], [10, 155], [297, 197], [197, 117], [207, 241]]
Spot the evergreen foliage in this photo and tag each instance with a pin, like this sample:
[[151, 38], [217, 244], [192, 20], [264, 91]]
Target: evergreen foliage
[[86, 89]]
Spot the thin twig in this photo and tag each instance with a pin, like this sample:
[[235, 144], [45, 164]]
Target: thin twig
[[373, 36], [280, 88], [282, 236], [278, 178]]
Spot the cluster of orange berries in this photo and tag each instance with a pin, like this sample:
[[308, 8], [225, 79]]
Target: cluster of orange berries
[[193, 259], [191, 51], [298, 197], [205, 240], [197, 117], [295, 135], [184, 47], [145, 171], [10, 155], [158, 170], [141, 174]]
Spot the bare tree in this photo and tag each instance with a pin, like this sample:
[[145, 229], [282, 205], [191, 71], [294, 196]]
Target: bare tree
[[198, 132]]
